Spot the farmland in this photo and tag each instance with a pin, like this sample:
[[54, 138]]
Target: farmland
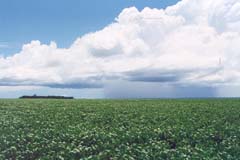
[[120, 129]]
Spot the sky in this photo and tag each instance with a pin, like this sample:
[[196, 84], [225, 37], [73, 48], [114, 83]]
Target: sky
[[120, 49], [59, 21]]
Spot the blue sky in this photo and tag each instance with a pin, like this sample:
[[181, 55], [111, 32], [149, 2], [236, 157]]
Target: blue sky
[[120, 49], [61, 21]]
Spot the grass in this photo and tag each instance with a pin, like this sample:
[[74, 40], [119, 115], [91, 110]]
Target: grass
[[120, 129]]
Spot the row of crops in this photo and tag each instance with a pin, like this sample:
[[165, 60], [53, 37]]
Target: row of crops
[[120, 129]]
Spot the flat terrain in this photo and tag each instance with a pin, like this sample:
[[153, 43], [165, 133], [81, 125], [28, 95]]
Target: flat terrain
[[120, 129]]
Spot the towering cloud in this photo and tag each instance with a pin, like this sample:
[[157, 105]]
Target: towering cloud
[[195, 42]]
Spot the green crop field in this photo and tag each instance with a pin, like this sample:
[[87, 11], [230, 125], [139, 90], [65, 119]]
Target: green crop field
[[120, 129]]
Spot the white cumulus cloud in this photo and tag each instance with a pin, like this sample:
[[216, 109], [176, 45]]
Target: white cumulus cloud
[[195, 42]]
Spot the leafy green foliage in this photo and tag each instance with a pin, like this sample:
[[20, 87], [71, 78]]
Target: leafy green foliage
[[120, 129]]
